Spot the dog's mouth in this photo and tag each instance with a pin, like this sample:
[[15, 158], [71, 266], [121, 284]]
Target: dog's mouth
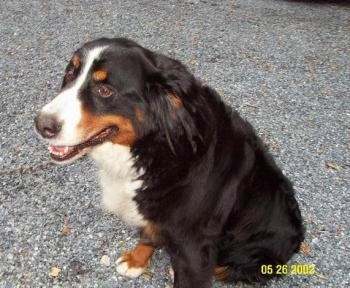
[[63, 153]]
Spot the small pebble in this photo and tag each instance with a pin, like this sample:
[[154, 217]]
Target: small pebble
[[105, 260]]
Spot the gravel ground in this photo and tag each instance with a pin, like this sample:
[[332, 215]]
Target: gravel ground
[[283, 64]]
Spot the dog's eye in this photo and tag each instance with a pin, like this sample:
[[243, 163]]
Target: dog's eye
[[70, 75], [105, 91]]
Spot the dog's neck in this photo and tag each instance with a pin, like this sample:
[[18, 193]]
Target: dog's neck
[[113, 159]]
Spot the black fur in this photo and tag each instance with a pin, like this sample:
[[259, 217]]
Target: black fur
[[214, 193]]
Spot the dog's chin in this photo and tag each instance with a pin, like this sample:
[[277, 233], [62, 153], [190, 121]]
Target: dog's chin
[[65, 154]]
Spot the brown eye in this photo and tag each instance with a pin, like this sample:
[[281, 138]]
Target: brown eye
[[105, 91], [70, 75]]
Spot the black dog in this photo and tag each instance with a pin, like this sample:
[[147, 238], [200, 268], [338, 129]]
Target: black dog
[[176, 162]]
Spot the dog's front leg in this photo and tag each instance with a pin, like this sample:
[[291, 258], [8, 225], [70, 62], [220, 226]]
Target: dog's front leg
[[133, 263], [193, 264]]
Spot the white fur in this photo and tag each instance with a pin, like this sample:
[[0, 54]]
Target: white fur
[[124, 269], [118, 181], [172, 274], [66, 107]]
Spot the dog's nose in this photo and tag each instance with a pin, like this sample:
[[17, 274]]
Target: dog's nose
[[47, 125]]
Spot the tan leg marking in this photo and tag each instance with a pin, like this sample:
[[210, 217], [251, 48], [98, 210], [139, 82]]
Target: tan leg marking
[[220, 272], [132, 264]]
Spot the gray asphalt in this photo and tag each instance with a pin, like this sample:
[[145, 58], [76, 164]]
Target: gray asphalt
[[285, 65]]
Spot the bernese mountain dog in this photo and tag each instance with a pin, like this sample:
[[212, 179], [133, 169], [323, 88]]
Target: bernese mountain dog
[[174, 161]]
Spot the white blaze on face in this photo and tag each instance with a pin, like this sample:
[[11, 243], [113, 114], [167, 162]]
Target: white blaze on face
[[67, 107]]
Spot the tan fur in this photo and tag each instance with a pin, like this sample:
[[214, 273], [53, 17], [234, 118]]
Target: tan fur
[[76, 61], [100, 75], [91, 125], [139, 257]]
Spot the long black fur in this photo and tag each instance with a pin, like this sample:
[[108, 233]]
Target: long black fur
[[210, 187], [213, 190]]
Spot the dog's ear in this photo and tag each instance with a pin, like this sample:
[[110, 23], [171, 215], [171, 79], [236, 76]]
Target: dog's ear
[[174, 77], [168, 92]]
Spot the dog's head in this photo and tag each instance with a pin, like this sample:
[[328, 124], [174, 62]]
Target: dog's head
[[115, 90]]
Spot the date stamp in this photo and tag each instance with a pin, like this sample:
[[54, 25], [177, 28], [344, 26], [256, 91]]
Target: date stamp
[[293, 269]]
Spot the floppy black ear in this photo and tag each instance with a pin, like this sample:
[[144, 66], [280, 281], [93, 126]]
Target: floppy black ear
[[168, 93], [174, 76]]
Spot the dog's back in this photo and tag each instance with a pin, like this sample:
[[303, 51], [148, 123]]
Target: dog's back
[[265, 225], [229, 195]]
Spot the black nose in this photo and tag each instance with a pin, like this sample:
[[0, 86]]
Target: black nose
[[47, 125]]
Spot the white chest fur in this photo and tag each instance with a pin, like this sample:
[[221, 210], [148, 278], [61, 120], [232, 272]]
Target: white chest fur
[[117, 177]]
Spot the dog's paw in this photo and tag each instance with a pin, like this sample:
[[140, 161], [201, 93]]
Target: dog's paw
[[127, 266]]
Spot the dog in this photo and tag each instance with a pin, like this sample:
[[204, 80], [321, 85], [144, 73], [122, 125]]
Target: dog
[[174, 161]]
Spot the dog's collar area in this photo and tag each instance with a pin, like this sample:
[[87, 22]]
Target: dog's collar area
[[62, 153]]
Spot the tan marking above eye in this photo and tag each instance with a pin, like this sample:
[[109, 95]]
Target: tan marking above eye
[[76, 61], [100, 75]]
